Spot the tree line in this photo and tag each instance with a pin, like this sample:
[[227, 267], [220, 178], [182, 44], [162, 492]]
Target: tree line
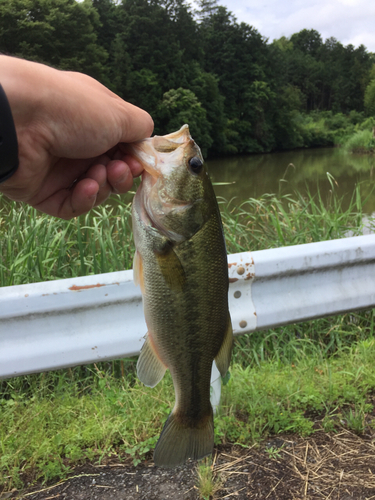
[[238, 92]]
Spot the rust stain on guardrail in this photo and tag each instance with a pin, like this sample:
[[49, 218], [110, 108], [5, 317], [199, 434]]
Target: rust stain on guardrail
[[76, 288]]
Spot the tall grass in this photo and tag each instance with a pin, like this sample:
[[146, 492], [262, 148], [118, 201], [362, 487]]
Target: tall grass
[[50, 422], [273, 221], [36, 247]]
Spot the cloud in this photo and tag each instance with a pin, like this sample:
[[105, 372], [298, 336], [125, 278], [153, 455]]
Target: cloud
[[350, 21]]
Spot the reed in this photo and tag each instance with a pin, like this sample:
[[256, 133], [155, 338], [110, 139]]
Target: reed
[[36, 247]]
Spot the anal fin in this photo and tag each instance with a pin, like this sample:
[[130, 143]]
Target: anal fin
[[150, 368], [223, 357]]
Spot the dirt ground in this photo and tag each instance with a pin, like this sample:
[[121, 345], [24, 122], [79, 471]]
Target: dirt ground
[[335, 466]]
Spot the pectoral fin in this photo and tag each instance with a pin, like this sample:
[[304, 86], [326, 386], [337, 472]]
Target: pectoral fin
[[223, 357], [150, 368], [172, 270], [138, 271]]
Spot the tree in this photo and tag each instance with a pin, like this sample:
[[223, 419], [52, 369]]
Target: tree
[[206, 9], [205, 86], [236, 53], [150, 38], [369, 100], [182, 106], [110, 22], [56, 32], [307, 41], [145, 85]]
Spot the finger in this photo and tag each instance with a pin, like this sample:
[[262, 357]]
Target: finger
[[80, 200], [88, 81], [98, 173], [119, 176], [69, 203], [91, 120], [134, 165]]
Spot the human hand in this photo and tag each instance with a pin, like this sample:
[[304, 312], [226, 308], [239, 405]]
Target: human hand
[[70, 131]]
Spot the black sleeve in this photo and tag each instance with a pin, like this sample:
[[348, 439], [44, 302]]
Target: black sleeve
[[8, 140]]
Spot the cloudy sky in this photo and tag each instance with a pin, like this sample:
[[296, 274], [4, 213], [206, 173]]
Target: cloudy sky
[[350, 21]]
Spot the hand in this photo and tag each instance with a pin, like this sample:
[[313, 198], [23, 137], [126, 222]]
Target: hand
[[70, 131]]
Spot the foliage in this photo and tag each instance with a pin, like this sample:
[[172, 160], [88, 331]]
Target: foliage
[[57, 32], [182, 106], [370, 98], [52, 422], [246, 95], [36, 247], [276, 396], [361, 142]]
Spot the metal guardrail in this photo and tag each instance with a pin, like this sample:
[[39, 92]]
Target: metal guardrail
[[51, 325]]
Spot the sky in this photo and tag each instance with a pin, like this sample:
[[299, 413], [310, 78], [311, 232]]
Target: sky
[[349, 21]]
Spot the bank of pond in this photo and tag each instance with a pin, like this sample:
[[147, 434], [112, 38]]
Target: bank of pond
[[354, 132]]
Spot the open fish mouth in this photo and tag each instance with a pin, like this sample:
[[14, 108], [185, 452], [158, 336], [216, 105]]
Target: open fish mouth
[[161, 154]]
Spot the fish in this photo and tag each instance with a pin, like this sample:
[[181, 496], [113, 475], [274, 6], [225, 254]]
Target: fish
[[180, 264]]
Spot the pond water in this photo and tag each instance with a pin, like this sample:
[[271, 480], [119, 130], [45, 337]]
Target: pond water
[[283, 173], [251, 176]]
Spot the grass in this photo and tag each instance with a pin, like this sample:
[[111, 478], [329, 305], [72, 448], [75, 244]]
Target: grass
[[36, 247], [362, 141], [52, 427], [288, 397], [208, 482], [273, 221], [282, 380]]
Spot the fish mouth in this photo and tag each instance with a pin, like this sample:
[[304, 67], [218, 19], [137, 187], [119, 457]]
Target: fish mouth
[[159, 154]]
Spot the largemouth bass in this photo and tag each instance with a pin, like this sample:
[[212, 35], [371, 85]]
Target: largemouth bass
[[181, 266]]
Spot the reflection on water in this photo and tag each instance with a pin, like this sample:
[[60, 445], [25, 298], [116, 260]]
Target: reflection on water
[[285, 172]]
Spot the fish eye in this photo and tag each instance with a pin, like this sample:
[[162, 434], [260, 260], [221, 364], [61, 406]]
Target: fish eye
[[195, 164]]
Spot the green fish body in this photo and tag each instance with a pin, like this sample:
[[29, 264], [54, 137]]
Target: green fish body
[[181, 266]]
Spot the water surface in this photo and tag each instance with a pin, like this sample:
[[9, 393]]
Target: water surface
[[286, 172], [251, 176]]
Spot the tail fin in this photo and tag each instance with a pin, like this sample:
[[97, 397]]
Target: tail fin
[[178, 442]]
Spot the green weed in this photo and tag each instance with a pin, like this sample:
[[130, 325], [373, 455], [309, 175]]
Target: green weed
[[276, 397], [273, 452], [208, 483]]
